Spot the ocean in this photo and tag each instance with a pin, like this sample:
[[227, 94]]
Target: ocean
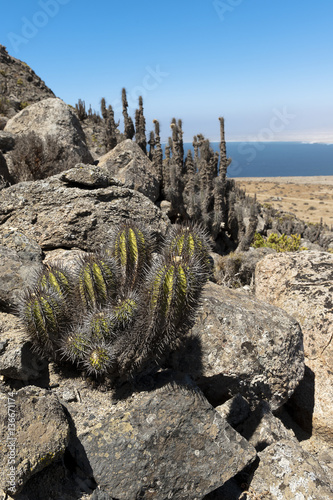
[[274, 159]]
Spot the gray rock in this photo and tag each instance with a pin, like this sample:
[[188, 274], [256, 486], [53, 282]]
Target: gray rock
[[165, 443], [301, 283], [18, 261], [18, 360], [288, 472], [35, 422], [7, 141], [53, 118], [239, 344], [128, 163], [89, 177], [57, 215]]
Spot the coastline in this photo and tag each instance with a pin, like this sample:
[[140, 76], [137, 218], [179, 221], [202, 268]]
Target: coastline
[[306, 179]]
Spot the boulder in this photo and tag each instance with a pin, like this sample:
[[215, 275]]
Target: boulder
[[128, 163], [167, 442], [18, 359], [20, 257], [61, 214], [55, 120], [35, 433], [302, 284], [239, 344], [288, 472]]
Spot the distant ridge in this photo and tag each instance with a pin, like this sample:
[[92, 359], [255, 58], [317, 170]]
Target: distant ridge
[[19, 85]]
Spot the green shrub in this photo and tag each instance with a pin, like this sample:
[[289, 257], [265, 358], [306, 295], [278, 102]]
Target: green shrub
[[281, 243]]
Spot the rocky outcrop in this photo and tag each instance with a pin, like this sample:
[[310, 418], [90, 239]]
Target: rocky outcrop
[[20, 257], [288, 472], [62, 213], [34, 432], [57, 125], [239, 344], [128, 163], [19, 84], [302, 284]]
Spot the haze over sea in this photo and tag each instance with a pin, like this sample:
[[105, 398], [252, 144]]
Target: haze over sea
[[276, 159]]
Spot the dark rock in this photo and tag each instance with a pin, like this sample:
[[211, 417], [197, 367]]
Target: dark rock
[[7, 141], [40, 432], [57, 215], [262, 428], [5, 177], [235, 410], [241, 345], [165, 443], [3, 121]]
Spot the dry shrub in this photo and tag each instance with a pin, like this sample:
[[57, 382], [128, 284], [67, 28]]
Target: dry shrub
[[36, 158]]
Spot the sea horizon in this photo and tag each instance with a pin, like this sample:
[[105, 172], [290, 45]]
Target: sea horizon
[[275, 158]]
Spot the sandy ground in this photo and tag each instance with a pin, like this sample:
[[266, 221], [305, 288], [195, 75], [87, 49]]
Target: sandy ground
[[309, 198]]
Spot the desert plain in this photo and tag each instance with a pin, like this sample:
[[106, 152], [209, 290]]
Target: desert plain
[[309, 198]]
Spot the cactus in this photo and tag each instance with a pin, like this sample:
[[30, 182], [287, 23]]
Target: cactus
[[124, 313], [140, 127], [128, 310], [99, 359], [42, 313], [97, 279], [56, 278], [189, 241], [98, 324], [128, 122], [132, 247], [74, 345]]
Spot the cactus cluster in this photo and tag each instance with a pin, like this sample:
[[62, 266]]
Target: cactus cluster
[[116, 310]]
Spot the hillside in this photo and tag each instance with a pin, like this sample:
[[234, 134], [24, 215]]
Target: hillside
[[19, 85]]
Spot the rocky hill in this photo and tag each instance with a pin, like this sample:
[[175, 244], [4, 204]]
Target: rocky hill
[[19, 85]]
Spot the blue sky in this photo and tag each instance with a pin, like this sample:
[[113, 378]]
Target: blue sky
[[265, 65]]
